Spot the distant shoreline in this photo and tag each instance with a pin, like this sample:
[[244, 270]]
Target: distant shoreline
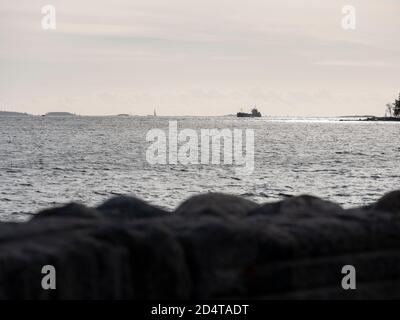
[[351, 118], [392, 119], [376, 119], [59, 114], [13, 114]]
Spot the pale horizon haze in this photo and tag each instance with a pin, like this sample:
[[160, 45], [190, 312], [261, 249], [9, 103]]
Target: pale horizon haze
[[209, 57]]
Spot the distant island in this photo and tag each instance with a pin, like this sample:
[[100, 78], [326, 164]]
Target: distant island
[[357, 116], [59, 114], [392, 112], [381, 119], [12, 114]]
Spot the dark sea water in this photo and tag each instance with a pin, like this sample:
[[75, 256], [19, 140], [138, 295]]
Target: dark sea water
[[46, 161]]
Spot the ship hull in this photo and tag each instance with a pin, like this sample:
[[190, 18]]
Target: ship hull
[[247, 115]]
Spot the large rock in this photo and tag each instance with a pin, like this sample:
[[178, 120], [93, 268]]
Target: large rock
[[72, 210], [218, 252], [216, 204], [299, 207], [125, 207], [105, 260], [389, 202]]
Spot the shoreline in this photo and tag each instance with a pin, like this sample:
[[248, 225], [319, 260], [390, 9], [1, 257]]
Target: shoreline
[[9, 114], [373, 119], [385, 119]]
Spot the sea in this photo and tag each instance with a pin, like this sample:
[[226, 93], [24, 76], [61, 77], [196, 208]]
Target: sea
[[51, 161]]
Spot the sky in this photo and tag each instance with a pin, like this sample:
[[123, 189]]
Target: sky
[[208, 57]]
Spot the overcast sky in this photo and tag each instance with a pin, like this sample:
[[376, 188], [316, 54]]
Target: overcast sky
[[208, 57]]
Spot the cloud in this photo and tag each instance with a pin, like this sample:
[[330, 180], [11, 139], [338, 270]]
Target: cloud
[[349, 63]]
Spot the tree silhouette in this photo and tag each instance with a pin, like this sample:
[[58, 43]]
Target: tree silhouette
[[389, 110], [396, 109]]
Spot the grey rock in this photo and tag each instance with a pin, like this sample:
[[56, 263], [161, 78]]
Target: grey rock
[[216, 204], [299, 207], [389, 202], [104, 260], [72, 210], [125, 207], [218, 253]]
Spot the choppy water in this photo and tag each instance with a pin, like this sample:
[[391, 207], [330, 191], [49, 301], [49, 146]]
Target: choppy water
[[46, 161]]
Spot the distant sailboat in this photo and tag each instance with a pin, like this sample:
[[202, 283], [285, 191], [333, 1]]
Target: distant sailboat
[[152, 115]]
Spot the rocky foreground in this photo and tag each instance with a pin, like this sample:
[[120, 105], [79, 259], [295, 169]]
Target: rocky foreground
[[212, 246]]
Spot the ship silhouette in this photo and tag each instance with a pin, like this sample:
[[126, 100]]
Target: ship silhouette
[[254, 114]]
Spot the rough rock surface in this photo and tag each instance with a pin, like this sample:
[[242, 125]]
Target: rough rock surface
[[216, 204], [212, 246]]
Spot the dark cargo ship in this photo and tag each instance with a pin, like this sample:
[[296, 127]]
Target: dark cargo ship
[[254, 114]]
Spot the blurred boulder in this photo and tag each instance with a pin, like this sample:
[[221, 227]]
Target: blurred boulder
[[389, 202], [72, 210], [125, 207], [299, 207], [216, 204]]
